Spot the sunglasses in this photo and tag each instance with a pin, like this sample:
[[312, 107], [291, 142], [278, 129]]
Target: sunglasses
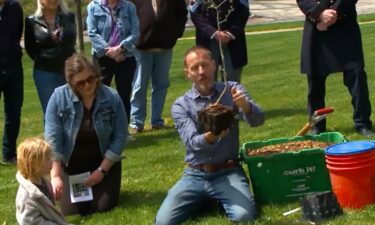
[[88, 80]]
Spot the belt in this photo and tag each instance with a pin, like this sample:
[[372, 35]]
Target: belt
[[212, 168]]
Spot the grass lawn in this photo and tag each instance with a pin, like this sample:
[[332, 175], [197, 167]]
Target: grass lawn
[[154, 161]]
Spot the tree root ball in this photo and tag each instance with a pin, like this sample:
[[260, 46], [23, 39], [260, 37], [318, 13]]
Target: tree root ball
[[216, 118]]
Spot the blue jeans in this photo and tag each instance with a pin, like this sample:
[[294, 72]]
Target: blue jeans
[[154, 65], [230, 187], [232, 73], [45, 83], [11, 86]]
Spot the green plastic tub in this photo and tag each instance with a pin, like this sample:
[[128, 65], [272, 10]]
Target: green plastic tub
[[284, 177]]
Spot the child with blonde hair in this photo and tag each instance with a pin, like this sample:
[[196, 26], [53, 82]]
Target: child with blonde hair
[[35, 201]]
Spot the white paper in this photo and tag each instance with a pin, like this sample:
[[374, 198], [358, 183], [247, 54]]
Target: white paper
[[78, 191]]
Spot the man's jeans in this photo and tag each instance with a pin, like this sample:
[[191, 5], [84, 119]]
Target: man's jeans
[[154, 65], [11, 86], [45, 83], [230, 187]]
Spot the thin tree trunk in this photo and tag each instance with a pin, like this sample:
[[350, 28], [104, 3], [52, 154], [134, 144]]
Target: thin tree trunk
[[81, 47]]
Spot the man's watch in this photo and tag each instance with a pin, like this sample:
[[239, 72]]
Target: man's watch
[[104, 172]]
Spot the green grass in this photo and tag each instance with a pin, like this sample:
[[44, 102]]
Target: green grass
[[154, 162]]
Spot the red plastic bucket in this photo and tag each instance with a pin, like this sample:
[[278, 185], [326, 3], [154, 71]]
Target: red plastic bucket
[[349, 164], [351, 157], [351, 167]]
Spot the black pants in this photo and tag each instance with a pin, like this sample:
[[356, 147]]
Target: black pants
[[124, 73], [106, 194], [356, 82], [11, 86]]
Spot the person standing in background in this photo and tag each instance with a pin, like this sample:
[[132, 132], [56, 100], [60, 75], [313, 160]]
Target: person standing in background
[[232, 16], [113, 29], [50, 38], [11, 74], [162, 22], [332, 43]]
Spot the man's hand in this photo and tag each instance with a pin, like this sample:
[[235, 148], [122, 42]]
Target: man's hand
[[223, 37], [211, 137], [321, 26], [239, 99], [328, 16]]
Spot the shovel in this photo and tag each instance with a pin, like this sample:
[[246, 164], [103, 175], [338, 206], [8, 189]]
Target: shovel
[[315, 118]]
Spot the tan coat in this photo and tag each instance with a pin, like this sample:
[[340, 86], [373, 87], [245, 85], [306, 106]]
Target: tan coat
[[33, 207]]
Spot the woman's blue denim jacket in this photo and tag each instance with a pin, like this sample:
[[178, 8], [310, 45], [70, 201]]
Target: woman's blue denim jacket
[[64, 116], [99, 25]]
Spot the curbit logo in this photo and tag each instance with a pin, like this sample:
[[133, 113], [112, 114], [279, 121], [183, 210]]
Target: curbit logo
[[300, 171]]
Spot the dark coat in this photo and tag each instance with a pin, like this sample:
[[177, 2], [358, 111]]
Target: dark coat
[[49, 55], [204, 19], [163, 29], [337, 49], [11, 27]]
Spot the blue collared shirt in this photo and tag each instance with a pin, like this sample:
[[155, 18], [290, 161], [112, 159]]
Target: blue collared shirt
[[185, 115]]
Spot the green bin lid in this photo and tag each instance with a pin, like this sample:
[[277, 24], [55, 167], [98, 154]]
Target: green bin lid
[[351, 147]]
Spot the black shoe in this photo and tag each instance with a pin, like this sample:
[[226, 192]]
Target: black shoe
[[12, 161], [315, 131], [365, 132]]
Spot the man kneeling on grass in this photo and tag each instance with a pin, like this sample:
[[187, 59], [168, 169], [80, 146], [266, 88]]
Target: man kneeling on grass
[[212, 170]]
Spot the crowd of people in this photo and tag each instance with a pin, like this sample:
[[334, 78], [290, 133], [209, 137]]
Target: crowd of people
[[85, 120]]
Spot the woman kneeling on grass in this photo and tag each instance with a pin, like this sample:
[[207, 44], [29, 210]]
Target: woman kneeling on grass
[[86, 126], [34, 201]]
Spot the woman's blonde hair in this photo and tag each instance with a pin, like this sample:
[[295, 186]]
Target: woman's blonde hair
[[30, 155], [40, 7]]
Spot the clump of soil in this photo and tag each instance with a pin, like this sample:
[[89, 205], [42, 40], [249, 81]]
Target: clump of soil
[[216, 118], [287, 147]]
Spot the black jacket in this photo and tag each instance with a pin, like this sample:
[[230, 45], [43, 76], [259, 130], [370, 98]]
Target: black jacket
[[49, 55], [337, 49], [161, 30], [11, 26], [205, 21]]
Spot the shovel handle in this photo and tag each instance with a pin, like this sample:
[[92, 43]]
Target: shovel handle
[[324, 111], [304, 130]]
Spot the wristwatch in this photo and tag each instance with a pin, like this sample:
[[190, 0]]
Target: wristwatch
[[100, 169]]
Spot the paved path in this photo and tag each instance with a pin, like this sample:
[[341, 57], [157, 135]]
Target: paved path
[[269, 11]]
